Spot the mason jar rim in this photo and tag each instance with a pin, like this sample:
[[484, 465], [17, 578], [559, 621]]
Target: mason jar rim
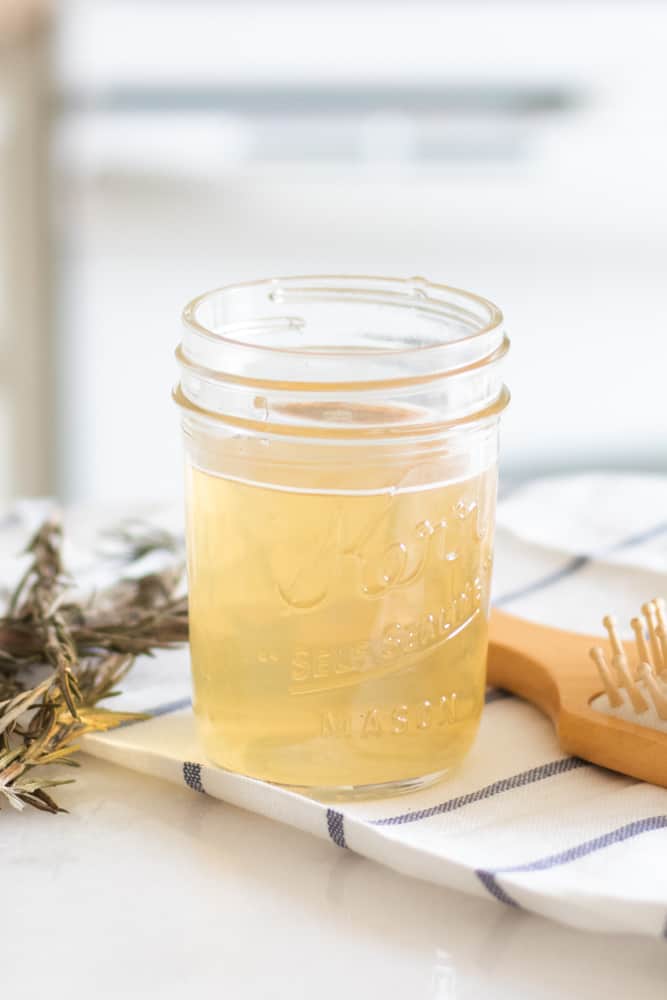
[[341, 355], [412, 293]]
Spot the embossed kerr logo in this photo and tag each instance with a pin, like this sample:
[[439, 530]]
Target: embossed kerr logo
[[442, 557], [381, 567]]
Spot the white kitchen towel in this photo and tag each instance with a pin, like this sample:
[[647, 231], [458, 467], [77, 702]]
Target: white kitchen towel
[[520, 822]]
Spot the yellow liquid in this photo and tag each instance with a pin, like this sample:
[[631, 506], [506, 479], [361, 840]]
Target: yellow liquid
[[338, 640]]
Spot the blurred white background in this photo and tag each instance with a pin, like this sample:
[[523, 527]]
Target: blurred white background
[[515, 149]]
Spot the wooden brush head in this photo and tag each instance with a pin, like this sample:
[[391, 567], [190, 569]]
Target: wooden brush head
[[610, 708]]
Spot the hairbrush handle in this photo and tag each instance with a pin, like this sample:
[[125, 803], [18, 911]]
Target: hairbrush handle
[[520, 658]]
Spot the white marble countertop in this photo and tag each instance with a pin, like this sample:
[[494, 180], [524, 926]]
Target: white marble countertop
[[147, 890]]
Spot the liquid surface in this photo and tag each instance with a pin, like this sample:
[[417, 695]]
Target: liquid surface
[[338, 639]]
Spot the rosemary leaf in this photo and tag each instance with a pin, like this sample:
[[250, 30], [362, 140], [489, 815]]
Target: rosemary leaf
[[87, 647]]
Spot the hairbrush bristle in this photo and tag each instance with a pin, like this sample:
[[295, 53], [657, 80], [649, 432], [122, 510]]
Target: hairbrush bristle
[[650, 614], [631, 685], [643, 686], [637, 626], [655, 689], [598, 658], [661, 611], [662, 639], [661, 628], [611, 626]]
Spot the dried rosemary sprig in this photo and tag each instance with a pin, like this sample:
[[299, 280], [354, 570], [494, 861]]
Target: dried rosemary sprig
[[35, 606], [87, 648]]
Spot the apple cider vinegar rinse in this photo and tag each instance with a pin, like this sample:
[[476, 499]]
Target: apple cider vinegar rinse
[[337, 638]]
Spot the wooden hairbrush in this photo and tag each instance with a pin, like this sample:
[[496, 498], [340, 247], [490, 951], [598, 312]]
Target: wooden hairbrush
[[611, 711]]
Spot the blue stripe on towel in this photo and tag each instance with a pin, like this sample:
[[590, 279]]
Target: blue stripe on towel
[[169, 707], [617, 836], [571, 567], [578, 563], [336, 827], [520, 780], [489, 882], [165, 709], [192, 776]]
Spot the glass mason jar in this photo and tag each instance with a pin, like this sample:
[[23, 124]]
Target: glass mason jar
[[341, 454]]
